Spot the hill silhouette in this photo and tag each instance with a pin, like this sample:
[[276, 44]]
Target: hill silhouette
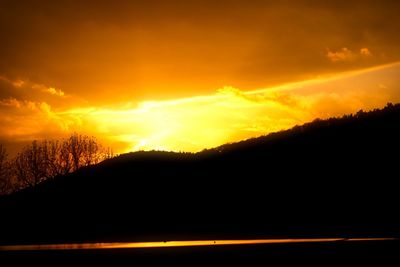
[[335, 177]]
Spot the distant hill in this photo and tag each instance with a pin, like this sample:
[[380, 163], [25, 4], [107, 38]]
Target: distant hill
[[335, 177]]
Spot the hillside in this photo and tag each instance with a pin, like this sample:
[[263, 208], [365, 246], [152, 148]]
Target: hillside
[[335, 177]]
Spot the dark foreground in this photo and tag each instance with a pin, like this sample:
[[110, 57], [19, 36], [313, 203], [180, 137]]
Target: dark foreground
[[333, 178], [382, 253]]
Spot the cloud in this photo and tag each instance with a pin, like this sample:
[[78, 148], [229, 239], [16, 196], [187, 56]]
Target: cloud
[[232, 114], [109, 52], [23, 121], [365, 52], [26, 89], [347, 55], [343, 54], [131, 51], [10, 102], [195, 123], [263, 96], [54, 91], [15, 83]]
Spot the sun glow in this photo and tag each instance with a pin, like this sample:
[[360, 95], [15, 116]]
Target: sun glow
[[192, 124], [195, 123]]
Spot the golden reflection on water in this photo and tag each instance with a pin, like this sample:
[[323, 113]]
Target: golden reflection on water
[[195, 243]]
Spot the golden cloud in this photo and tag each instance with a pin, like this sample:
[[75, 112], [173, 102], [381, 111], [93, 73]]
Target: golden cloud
[[54, 91], [347, 55], [192, 124]]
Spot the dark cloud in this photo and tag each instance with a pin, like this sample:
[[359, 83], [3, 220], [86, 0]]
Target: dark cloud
[[117, 50]]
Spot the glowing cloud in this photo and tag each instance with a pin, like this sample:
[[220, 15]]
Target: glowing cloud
[[347, 55], [55, 91], [365, 52], [192, 124]]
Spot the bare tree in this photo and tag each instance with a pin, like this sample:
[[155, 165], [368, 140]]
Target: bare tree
[[83, 150], [40, 161], [30, 164], [107, 153], [76, 148], [5, 174], [91, 152], [59, 160]]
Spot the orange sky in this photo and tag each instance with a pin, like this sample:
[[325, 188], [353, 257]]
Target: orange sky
[[186, 75]]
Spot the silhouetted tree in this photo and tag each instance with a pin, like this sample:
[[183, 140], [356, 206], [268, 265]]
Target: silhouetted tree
[[75, 149], [83, 150], [30, 165], [91, 151], [5, 177], [57, 157], [46, 159], [107, 153]]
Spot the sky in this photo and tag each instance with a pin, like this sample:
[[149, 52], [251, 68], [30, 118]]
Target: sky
[[188, 75]]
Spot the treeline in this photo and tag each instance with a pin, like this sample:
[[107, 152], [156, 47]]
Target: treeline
[[42, 160], [383, 115]]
